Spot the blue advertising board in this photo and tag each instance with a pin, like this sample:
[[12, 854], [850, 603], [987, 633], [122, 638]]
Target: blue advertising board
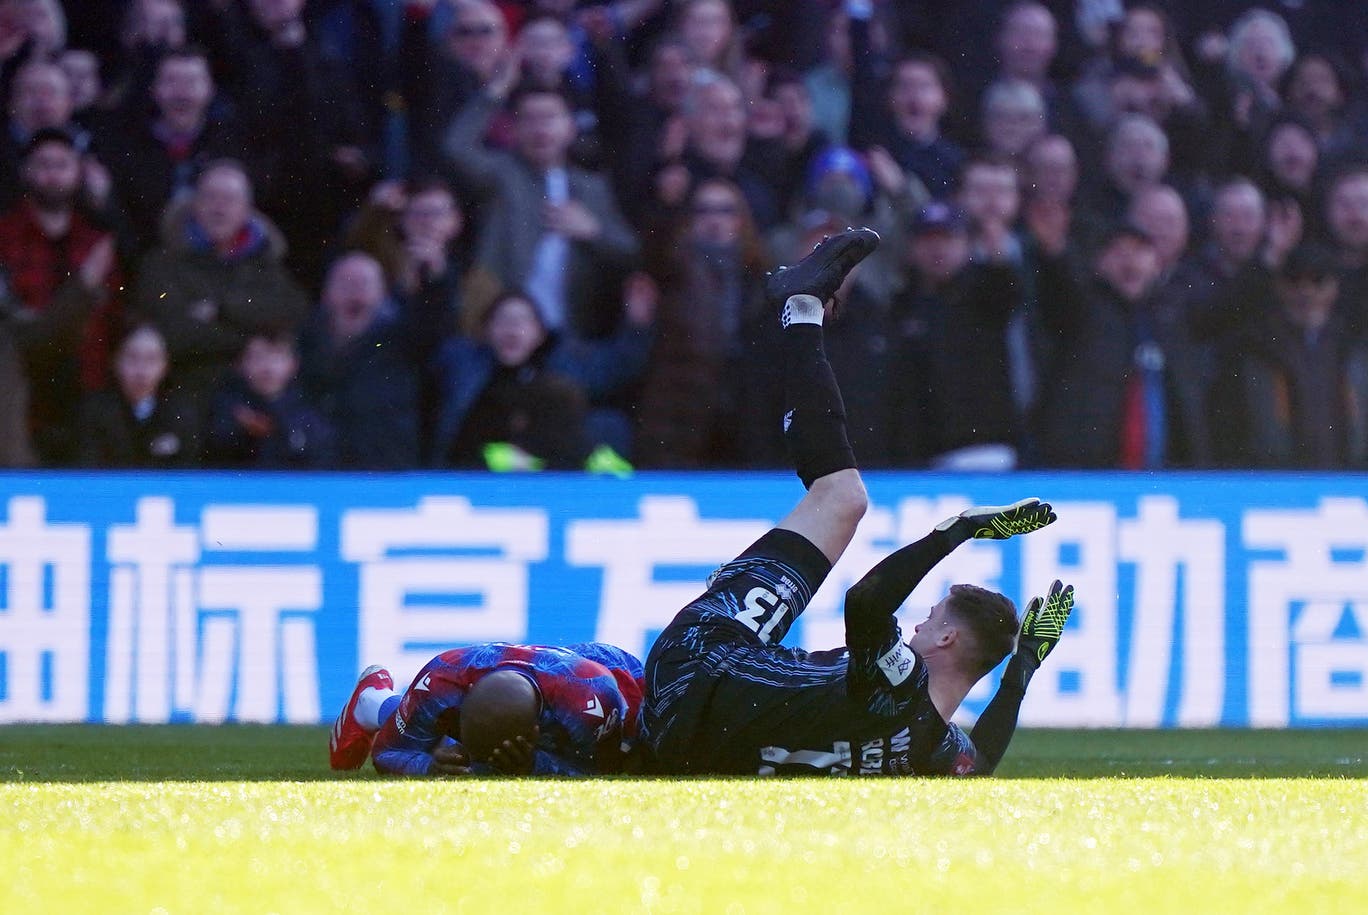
[[1203, 599]]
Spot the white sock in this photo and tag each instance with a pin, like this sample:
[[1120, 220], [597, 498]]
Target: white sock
[[802, 309], [367, 713]]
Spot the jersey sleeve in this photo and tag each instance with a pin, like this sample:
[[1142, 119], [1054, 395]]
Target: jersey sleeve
[[583, 723], [404, 744]]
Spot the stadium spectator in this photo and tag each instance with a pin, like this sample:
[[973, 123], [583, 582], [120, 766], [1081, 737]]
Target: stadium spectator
[[304, 115], [707, 30], [509, 409], [1160, 213], [829, 81], [139, 422], [43, 24], [363, 363], [902, 111], [1290, 162], [63, 288], [1138, 388], [990, 196], [260, 420], [438, 77], [415, 231], [216, 278], [785, 156], [150, 29], [704, 395], [1239, 215], [1316, 89], [1051, 170], [550, 228], [1027, 43], [1293, 384], [1244, 93], [1137, 156], [1013, 118], [40, 98], [1142, 72], [547, 54], [966, 292], [1346, 217], [155, 154], [647, 127], [716, 144], [82, 69]]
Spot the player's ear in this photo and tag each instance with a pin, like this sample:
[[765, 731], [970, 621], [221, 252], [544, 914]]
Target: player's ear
[[947, 636]]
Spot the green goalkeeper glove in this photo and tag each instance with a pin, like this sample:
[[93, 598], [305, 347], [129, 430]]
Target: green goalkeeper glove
[[1041, 628], [998, 522]]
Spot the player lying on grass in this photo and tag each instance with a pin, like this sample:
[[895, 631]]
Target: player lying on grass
[[498, 709], [723, 697]]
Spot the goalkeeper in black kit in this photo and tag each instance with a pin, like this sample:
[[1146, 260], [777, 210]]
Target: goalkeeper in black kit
[[722, 695]]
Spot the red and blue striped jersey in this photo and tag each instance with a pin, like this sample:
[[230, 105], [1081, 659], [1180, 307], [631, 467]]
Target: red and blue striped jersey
[[590, 715]]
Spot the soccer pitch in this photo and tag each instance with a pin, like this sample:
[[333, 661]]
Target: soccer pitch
[[242, 819]]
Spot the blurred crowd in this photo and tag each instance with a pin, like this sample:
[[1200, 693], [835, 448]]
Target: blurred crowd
[[389, 234]]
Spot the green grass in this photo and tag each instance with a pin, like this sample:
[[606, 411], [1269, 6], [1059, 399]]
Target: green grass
[[249, 819]]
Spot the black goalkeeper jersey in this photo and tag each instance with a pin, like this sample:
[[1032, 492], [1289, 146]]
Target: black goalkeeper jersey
[[794, 713]]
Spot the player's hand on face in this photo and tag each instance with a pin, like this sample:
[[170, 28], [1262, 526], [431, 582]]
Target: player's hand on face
[[999, 522], [516, 756], [450, 760]]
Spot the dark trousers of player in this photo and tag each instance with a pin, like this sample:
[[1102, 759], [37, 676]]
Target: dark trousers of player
[[728, 639], [717, 680]]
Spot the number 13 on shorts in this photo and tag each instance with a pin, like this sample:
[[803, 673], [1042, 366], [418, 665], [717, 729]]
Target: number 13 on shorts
[[764, 611]]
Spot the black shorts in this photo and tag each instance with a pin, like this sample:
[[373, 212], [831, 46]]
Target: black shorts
[[728, 640]]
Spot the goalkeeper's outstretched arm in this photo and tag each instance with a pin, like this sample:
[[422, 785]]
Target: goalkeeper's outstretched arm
[[872, 601], [1041, 627]]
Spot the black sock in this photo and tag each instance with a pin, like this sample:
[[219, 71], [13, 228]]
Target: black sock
[[814, 414]]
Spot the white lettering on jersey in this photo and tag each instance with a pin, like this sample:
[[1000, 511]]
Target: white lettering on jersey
[[872, 756], [609, 725], [898, 663]]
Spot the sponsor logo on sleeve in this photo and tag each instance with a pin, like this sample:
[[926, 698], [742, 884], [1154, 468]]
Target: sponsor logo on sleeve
[[897, 664]]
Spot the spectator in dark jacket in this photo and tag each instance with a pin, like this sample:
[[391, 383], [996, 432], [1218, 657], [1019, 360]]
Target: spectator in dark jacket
[[139, 422], [302, 112], [63, 289], [414, 231], [155, 154], [954, 383], [647, 127], [708, 389], [260, 419], [900, 108], [437, 78], [217, 279], [1346, 218], [1293, 388], [717, 141], [516, 350], [1130, 394], [507, 407], [551, 229], [363, 362], [40, 98]]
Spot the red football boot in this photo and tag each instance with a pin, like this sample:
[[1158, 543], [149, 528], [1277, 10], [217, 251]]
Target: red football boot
[[349, 744]]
